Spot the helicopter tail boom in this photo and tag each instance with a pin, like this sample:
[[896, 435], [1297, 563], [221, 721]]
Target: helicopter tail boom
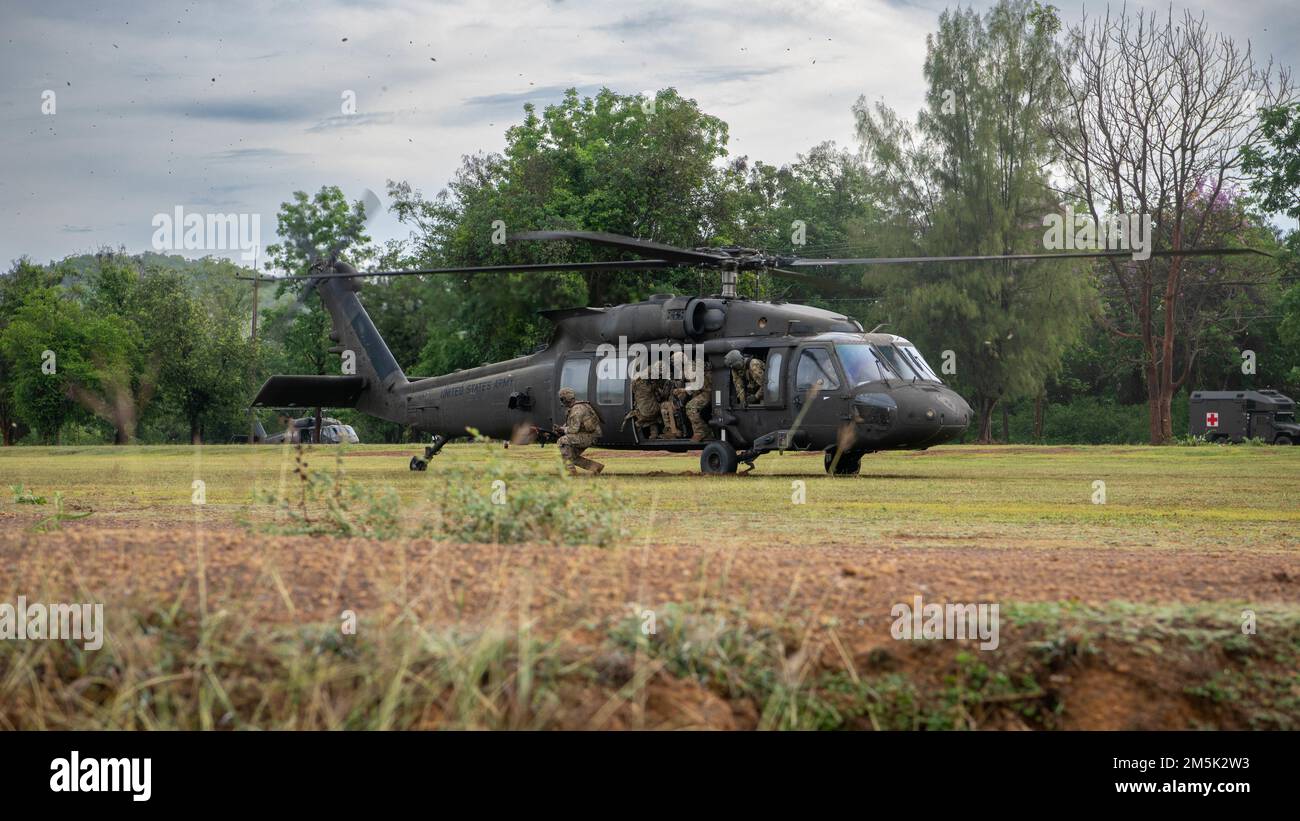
[[365, 355]]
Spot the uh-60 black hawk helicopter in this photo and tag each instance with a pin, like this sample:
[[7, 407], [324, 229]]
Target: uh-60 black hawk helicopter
[[829, 385]]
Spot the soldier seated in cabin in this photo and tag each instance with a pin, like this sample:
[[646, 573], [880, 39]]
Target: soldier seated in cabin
[[748, 377]]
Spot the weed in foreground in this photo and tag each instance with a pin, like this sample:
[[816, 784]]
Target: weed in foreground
[[496, 501]]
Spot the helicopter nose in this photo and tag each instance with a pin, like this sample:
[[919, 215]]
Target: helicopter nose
[[955, 416], [911, 415], [938, 411]]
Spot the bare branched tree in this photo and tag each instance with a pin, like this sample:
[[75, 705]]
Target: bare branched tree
[[1158, 113]]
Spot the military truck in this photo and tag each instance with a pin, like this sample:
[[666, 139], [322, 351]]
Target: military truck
[[1234, 416]]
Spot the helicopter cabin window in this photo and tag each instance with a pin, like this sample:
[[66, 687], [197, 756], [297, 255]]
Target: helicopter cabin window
[[575, 375], [772, 390], [816, 368], [611, 381]]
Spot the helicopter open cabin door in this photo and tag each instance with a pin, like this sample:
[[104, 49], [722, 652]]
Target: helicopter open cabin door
[[612, 399], [600, 382], [575, 372]]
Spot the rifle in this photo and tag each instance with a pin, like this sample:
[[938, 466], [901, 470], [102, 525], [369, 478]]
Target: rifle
[[544, 436]]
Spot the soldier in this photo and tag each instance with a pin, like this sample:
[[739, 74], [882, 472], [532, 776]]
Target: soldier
[[665, 390], [645, 411], [580, 431], [697, 399], [748, 376]]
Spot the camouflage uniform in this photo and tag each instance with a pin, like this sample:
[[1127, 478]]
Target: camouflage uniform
[[749, 379], [698, 400], [581, 430], [667, 409], [645, 405]]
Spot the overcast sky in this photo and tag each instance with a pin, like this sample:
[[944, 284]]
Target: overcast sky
[[229, 107]]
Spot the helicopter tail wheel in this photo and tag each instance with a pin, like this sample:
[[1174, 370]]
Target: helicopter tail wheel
[[847, 464], [718, 458], [418, 464]]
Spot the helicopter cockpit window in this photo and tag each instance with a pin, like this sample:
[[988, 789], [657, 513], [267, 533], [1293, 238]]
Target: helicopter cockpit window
[[575, 375], [610, 381], [898, 363], [919, 363], [816, 368], [861, 363]]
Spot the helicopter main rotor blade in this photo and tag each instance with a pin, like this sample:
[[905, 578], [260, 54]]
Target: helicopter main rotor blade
[[1190, 252], [658, 250], [617, 265], [822, 284]]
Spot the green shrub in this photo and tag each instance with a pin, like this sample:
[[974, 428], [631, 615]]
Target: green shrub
[[1088, 420], [502, 502], [328, 502]]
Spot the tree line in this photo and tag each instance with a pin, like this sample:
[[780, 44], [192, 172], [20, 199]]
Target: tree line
[[1134, 119]]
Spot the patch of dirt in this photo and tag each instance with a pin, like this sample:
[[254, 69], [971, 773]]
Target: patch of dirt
[[848, 588], [855, 584]]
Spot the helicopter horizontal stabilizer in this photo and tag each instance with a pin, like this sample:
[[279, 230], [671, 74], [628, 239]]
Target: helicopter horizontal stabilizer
[[310, 392]]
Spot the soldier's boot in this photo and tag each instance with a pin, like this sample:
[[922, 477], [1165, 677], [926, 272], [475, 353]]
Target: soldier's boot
[[654, 432], [699, 428], [588, 464]]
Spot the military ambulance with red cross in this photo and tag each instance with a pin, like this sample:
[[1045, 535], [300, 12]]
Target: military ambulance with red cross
[[1235, 416]]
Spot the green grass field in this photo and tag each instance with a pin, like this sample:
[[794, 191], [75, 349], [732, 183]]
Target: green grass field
[[772, 591], [1232, 497]]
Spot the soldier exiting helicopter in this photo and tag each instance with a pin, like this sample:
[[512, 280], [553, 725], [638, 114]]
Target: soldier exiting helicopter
[[697, 399], [652, 405], [748, 375], [580, 431], [645, 407], [666, 392]]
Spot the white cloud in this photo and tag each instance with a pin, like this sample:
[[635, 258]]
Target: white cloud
[[236, 105]]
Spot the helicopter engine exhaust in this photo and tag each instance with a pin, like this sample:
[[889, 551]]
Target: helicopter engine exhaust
[[665, 317]]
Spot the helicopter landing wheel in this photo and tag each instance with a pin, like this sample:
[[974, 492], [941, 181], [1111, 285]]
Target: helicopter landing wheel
[[718, 458], [848, 465], [418, 464]]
